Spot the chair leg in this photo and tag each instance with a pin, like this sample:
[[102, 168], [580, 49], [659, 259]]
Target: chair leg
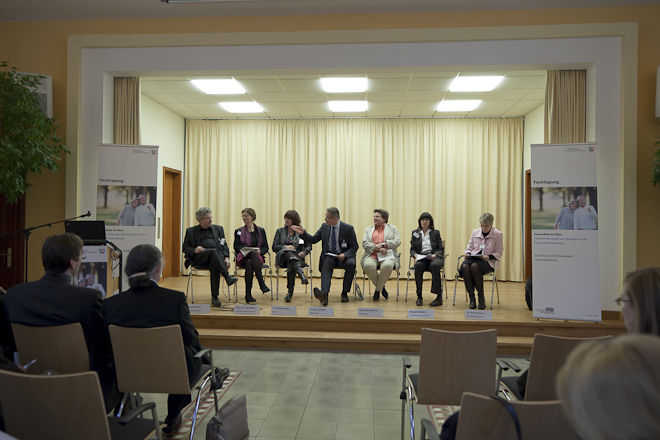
[[199, 395], [277, 284], [407, 282], [397, 284]]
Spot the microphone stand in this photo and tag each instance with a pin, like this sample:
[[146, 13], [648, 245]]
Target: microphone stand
[[28, 231]]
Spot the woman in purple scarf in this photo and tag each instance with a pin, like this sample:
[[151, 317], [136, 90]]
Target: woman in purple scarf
[[251, 245]]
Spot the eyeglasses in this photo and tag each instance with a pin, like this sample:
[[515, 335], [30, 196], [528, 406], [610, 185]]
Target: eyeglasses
[[619, 301]]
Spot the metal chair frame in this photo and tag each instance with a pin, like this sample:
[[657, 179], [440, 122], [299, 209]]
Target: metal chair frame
[[305, 266], [411, 268], [264, 267], [365, 277], [494, 280]]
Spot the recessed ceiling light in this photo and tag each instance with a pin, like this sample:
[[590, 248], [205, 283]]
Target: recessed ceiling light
[[475, 83], [344, 85], [242, 107], [458, 105], [219, 86], [348, 106]]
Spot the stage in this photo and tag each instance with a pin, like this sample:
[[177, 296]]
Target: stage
[[394, 332]]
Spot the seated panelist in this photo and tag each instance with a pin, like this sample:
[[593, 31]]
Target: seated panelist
[[427, 250], [290, 251], [251, 236], [482, 255], [378, 239]]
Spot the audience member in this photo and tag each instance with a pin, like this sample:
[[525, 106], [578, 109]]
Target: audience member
[[640, 301]]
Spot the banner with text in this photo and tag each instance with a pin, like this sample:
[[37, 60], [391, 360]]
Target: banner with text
[[565, 269], [126, 196]]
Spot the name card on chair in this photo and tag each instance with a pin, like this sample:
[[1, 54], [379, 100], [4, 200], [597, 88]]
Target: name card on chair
[[421, 313], [245, 309], [370, 312], [321, 311], [484, 315], [283, 310], [199, 308]]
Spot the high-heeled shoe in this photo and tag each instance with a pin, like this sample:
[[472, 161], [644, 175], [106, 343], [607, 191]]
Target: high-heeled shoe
[[249, 298]]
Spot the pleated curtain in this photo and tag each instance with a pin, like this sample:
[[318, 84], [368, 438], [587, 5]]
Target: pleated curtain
[[565, 106], [126, 129]]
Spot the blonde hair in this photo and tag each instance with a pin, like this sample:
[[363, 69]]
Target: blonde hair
[[643, 288], [611, 389], [487, 218]]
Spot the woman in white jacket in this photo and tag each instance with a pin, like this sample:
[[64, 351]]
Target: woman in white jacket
[[378, 239]]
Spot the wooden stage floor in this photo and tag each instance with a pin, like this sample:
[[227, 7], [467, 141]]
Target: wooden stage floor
[[394, 332]]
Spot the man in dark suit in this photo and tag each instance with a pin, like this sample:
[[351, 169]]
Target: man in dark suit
[[339, 248], [205, 246], [54, 300]]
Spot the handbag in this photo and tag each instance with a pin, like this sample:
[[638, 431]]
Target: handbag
[[230, 422]]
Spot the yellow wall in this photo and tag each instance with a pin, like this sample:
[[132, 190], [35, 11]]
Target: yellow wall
[[41, 47]]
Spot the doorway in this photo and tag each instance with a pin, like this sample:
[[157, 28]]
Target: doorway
[[172, 222]]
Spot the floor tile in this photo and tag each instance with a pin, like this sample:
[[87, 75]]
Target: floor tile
[[320, 414], [297, 376], [288, 413], [296, 387], [258, 412], [325, 388], [317, 430], [291, 399], [387, 417], [264, 386], [258, 398], [356, 402], [351, 431], [279, 428], [324, 400], [356, 415]]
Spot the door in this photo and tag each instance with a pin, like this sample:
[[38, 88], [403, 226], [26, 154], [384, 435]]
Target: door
[[12, 247], [172, 222]]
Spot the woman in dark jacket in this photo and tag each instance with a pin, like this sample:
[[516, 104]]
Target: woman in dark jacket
[[427, 250], [251, 236], [290, 251]]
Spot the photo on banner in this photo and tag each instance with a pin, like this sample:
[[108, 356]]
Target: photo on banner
[[93, 273], [126, 197], [565, 260]]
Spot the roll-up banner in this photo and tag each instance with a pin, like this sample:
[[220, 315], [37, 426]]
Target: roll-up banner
[[126, 196], [565, 269]]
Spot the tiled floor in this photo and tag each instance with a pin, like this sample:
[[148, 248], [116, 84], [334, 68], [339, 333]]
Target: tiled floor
[[316, 395]]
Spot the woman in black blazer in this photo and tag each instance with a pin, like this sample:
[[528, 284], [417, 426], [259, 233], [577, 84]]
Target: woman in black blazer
[[426, 247], [251, 235], [290, 252]]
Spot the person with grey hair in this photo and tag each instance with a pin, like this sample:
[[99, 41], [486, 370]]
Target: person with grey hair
[[144, 212], [339, 248], [482, 255], [585, 215], [564, 220], [127, 214], [205, 246], [146, 305]]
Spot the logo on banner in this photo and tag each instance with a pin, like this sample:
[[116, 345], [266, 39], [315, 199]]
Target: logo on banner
[[153, 151], [591, 149], [102, 251]]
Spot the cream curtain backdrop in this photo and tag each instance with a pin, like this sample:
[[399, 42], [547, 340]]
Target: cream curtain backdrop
[[127, 111], [456, 169], [565, 106]]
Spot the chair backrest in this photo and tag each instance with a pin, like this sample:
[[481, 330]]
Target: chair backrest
[[62, 406], [482, 418], [549, 354], [150, 360], [61, 348], [451, 363]]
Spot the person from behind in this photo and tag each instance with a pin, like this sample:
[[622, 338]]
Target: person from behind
[[204, 245], [482, 255], [611, 389], [251, 244], [377, 240], [290, 251], [146, 305], [427, 250], [54, 300], [640, 301]]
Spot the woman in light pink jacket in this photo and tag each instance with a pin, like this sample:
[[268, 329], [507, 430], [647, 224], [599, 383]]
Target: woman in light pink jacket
[[482, 256]]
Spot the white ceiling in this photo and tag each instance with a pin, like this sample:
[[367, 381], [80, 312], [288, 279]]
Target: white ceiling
[[389, 95], [22, 10]]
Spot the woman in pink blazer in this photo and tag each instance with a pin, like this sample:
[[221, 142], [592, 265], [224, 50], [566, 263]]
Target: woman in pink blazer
[[482, 256]]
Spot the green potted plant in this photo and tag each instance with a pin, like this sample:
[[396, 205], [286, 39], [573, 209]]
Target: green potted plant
[[28, 138]]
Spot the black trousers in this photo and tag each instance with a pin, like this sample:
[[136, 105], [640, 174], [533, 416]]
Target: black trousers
[[432, 266], [473, 272], [215, 261], [252, 265], [329, 264]]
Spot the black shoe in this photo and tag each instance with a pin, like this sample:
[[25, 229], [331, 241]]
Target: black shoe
[[264, 289], [172, 422], [215, 302], [376, 295], [231, 280], [473, 305], [344, 297], [249, 298], [288, 297], [437, 301], [482, 302], [419, 301], [323, 297], [385, 294], [222, 374], [301, 275]]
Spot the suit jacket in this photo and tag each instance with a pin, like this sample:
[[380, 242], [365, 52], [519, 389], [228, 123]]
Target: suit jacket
[[155, 307], [347, 241], [192, 240], [391, 236], [53, 300], [436, 243], [279, 243], [494, 245]]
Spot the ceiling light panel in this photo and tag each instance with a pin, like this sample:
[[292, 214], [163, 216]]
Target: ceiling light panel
[[242, 107], [475, 83], [458, 105], [348, 106], [344, 85], [219, 86]]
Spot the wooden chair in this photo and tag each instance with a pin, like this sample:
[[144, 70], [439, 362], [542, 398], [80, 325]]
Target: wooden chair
[[61, 348], [482, 418], [549, 353], [492, 275], [450, 363], [67, 407], [153, 360]]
